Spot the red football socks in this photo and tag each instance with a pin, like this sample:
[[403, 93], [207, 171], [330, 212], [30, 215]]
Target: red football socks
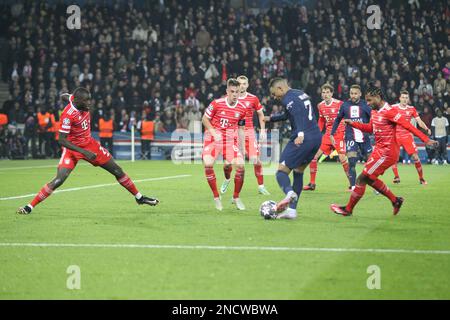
[[395, 169], [419, 168], [357, 194], [211, 178], [313, 171], [126, 182], [42, 195], [238, 182], [382, 188], [258, 173]]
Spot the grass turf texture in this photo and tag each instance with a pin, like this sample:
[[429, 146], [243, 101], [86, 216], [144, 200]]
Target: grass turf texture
[[186, 216]]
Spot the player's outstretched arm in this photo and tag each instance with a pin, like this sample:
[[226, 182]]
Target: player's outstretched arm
[[396, 117], [69, 145], [423, 125], [278, 117], [365, 127]]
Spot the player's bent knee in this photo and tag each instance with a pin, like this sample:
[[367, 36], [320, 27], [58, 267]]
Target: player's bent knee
[[284, 169], [363, 179]]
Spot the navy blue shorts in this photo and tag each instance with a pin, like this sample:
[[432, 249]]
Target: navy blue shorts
[[293, 156], [364, 147]]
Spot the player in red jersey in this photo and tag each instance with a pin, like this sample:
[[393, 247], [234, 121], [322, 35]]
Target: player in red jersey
[[328, 110], [222, 120], [251, 102], [75, 138], [405, 139], [383, 124]]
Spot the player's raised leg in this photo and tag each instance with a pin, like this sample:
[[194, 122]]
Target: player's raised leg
[[112, 167], [374, 167], [297, 187], [61, 176]]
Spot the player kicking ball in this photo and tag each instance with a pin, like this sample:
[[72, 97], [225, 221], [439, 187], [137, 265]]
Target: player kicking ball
[[405, 139], [251, 102], [303, 144], [75, 138], [383, 124], [222, 120]]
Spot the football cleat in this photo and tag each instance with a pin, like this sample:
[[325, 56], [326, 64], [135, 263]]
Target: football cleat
[[397, 205], [218, 204], [288, 214], [263, 190], [283, 204], [422, 181], [24, 210], [396, 180], [224, 186], [310, 187], [147, 200], [341, 210], [238, 202]]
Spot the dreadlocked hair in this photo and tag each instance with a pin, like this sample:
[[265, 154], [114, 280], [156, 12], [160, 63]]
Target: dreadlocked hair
[[372, 90]]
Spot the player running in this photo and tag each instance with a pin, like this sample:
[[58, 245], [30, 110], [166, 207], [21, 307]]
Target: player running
[[405, 139], [383, 124], [251, 102], [354, 109], [75, 138], [222, 120], [328, 110], [303, 144]]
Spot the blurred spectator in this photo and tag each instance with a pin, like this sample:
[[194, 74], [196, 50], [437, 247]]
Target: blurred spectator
[[440, 128], [178, 49]]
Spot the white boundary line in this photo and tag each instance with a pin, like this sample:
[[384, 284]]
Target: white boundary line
[[228, 248], [97, 186]]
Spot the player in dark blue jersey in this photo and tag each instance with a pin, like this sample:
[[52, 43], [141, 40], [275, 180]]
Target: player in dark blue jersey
[[354, 109], [303, 144]]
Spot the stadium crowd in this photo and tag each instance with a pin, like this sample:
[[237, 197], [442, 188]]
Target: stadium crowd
[[165, 61]]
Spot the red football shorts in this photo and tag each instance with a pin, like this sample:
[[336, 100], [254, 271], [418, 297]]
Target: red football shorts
[[69, 158], [228, 147], [327, 147], [379, 162], [251, 144], [407, 142]]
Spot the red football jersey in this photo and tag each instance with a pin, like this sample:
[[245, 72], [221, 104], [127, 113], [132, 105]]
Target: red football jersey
[[384, 124], [327, 115], [77, 124], [251, 102], [408, 113], [225, 118]]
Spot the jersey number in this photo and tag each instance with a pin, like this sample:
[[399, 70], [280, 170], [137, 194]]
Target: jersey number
[[308, 105], [224, 123], [84, 125]]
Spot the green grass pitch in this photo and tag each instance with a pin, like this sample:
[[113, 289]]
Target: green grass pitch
[[186, 218]]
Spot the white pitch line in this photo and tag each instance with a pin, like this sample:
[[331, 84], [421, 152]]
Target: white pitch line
[[232, 248], [97, 186]]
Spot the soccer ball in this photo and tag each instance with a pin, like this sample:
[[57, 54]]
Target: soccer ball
[[268, 209]]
